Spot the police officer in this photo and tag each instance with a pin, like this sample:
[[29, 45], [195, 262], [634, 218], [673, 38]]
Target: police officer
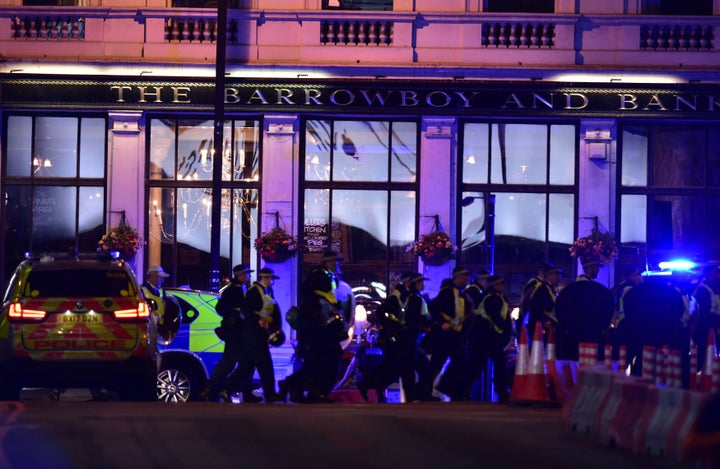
[[451, 313], [707, 295], [321, 327], [260, 317], [152, 288], [591, 269], [165, 307], [527, 292], [542, 300], [400, 357], [230, 331], [495, 331]]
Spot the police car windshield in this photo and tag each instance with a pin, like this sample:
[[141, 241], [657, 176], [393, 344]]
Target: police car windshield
[[79, 283]]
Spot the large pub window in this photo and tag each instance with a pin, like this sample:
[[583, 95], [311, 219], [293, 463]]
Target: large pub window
[[181, 155], [360, 197], [54, 171], [530, 169], [669, 193]]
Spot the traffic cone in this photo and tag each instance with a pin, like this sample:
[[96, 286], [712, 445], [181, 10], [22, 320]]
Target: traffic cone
[[555, 386], [710, 354], [521, 366], [693, 367], [532, 388]]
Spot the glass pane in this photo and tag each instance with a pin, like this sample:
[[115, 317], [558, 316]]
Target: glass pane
[[633, 219], [683, 150], [19, 137], [92, 148], [244, 226], [403, 163], [360, 151], [91, 218], [318, 143], [713, 155], [247, 150], [362, 226], [17, 219], [53, 218], [475, 153], [520, 227], [475, 253], [55, 147], [162, 149], [561, 218], [161, 227], [519, 154], [635, 156], [676, 226], [562, 154], [402, 229], [316, 228], [195, 150], [194, 212]]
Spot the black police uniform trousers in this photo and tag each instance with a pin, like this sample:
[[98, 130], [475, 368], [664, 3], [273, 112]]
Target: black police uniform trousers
[[449, 344], [254, 353], [229, 359], [489, 347]]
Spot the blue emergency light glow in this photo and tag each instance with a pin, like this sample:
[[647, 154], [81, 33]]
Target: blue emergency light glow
[[679, 265]]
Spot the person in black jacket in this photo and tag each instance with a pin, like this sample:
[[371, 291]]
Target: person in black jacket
[[451, 313], [542, 302], [400, 355], [495, 330], [230, 331], [260, 317]]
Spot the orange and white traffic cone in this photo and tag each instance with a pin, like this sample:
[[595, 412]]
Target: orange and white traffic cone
[[710, 355], [555, 386], [521, 365], [693, 367], [532, 388]]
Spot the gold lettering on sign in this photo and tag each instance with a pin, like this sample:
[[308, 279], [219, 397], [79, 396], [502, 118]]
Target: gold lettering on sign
[[443, 101], [181, 92], [408, 98], [655, 102], [342, 97], [144, 92], [232, 96], [378, 96], [284, 95], [512, 101], [628, 102], [312, 95], [121, 92], [572, 98], [257, 95]]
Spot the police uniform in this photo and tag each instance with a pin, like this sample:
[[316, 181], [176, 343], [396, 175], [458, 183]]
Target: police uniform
[[260, 316], [541, 307], [319, 332], [495, 330], [708, 312], [230, 331], [407, 316], [451, 314]]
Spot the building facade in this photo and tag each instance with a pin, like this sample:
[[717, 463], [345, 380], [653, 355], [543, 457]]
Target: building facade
[[360, 126]]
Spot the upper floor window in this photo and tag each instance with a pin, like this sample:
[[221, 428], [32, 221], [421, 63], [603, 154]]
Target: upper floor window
[[357, 5], [520, 6], [677, 7]]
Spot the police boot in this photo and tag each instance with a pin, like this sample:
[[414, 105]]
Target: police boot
[[250, 398]]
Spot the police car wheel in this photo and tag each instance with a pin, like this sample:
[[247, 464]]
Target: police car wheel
[[177, 382]]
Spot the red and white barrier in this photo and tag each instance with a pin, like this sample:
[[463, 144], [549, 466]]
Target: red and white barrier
[[648, 363]]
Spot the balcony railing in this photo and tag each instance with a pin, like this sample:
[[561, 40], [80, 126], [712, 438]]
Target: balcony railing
[[374, 37]]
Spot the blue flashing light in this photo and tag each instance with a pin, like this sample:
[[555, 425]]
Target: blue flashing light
[[677, 265], [655, 273], [114, 254]]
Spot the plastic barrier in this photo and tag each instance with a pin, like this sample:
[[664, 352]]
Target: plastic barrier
[[623, 422], [586, 399]]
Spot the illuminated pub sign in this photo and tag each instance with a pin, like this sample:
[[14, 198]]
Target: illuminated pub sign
[[427, 97]]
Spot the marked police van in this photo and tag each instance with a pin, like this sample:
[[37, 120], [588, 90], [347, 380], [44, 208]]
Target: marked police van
[[70, 322]]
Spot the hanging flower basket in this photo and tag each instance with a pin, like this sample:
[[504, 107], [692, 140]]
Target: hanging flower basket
[[122, 238], [598, 246], [277, 245], [434, 248]]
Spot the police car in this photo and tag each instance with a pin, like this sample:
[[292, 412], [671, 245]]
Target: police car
[[187, 359], [70, 321]]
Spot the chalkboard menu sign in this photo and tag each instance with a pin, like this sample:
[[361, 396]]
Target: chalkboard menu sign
[[317, 236]]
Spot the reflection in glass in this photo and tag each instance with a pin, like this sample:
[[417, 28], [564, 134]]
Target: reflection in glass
[[17, 218], [19, 138], [316, 229], [633, 219], [244, 227], [519, 154], [361, 151], [634, 157], [91, 217], [475, 153], [682, 149], [403, 162], [561, 218], [318, 143], [92, 148], [562, 154], [246, 150], [162, 149], [195, 150], [362, 221], [54, 213], [55, 147]]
